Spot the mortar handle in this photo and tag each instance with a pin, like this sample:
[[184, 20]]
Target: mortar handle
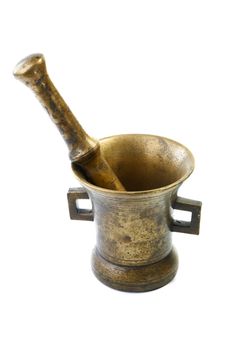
[[77, 213], [194, 207]]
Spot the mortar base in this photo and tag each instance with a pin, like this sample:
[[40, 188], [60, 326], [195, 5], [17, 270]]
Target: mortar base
[[135, 278]]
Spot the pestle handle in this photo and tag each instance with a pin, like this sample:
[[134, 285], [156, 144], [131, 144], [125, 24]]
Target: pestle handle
[[32, 71], [84, 151]]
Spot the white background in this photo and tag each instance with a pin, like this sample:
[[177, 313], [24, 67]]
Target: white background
[[157, 67]]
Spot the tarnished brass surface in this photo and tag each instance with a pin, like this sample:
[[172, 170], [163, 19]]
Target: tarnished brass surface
[[134, 226], [84, 150], [135, 278], [134, 243]]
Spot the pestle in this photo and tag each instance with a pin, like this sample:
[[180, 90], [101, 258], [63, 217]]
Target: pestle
[[84, 151]]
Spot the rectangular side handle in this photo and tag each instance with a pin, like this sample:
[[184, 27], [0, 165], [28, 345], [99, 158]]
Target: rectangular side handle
[[77, 213], [194, 207]]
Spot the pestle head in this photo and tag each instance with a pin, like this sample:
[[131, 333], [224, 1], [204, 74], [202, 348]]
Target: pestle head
[[31, 69]]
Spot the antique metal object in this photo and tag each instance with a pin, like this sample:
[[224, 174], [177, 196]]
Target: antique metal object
[[134, 245], [84, 152], [134, 221]]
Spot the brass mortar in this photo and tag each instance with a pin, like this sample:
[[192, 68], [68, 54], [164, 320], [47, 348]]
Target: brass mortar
[[134, 250]]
